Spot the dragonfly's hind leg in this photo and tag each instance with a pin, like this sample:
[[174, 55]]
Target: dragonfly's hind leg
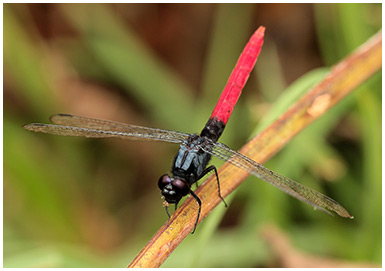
[[207, 170], [199, 210]]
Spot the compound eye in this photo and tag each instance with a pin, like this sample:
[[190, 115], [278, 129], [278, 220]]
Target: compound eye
[[163, 181], [181, 187]]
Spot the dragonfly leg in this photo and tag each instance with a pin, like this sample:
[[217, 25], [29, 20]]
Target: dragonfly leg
[[168, 214], [199, 210], [207, 170]]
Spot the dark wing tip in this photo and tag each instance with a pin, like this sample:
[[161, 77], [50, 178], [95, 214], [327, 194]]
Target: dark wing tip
[[348, 215], [341, 211], [337, 208]]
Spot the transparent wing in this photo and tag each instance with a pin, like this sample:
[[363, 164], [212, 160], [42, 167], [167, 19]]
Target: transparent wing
[[70, 125], [296, 190]]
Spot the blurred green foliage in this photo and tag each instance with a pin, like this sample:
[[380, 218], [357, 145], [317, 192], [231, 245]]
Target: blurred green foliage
[[71, 202]]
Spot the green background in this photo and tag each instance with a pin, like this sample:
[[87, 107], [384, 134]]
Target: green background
[[73, 202]]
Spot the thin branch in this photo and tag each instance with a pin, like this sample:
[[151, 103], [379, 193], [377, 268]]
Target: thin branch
[[342, 79]]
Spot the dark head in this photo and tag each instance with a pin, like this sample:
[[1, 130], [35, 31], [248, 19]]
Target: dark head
[[173, 189]]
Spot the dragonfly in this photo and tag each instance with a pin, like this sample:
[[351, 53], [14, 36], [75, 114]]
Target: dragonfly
[[190, 164]]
